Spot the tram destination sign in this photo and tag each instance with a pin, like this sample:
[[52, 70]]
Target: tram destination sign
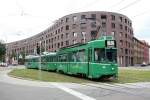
[[110, 43]]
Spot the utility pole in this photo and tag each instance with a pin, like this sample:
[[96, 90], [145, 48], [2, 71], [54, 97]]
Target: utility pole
[[40, 63]]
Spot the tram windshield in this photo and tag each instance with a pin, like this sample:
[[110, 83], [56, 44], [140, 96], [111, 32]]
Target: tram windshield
[[102, 55], [111, 55]]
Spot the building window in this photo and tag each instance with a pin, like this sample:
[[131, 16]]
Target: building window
[[93, 24], [113, 33], [61, 36], [126, 51], [122, 50], [112, 25], [58, 37], [120, 18], [67, 35], [82, 41], [103, 17], [67, 19], [130, 24], [61, 44], [74, 41], [83, 17], [67, 42], [126, 35], [121, 34], [58, 30], [112, 17], [121, 27], [125, 20], [93, 35], [103, 25], [121, 42], [61, 21], [126, 43], [75, 34], [93, 16], [67, 27], [125, 28], [103, 33], [74, 18], [58, 45], [61, 29], [74, 26], [83, 34], [83, 25]]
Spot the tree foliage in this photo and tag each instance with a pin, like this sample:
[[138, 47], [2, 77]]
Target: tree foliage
[[2, 50]]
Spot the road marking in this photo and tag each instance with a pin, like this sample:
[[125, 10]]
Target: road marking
[[75, 93]]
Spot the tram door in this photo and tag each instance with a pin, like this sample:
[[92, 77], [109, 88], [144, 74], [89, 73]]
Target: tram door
[[89, 59]]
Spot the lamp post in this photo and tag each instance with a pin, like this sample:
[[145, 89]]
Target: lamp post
[[40, 62], [25, 52]]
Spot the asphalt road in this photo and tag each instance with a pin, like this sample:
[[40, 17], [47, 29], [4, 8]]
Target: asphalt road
[[17, 92], [18, 89]]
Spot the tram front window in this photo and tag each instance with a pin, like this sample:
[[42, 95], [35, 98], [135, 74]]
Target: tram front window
[[99, 55], [111, 55]]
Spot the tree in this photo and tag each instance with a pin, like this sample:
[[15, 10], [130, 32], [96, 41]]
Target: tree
[[22, 59], [2, 51], [38, 49]]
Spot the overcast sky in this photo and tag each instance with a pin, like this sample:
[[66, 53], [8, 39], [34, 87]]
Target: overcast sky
[[20, 19]]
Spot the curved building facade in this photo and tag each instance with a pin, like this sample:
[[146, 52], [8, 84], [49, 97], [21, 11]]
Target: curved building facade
[[81, 27]]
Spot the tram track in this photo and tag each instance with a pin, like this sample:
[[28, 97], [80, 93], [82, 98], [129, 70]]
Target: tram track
[[115, 88]]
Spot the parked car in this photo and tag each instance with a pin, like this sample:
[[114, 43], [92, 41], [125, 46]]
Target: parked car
[[143, 64], [3, 64]]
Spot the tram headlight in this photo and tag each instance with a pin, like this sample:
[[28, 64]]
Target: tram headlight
[[104, 67], [112, 68]]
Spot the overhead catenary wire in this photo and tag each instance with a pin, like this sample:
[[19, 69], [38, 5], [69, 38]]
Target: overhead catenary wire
[[87, 5], [132, 3], [116, 4], [142, 13]]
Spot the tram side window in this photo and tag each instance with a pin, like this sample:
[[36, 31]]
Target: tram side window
[[63, 58], [82, 56], [36, 60], [99, 55], [43, 59], [74, 57], [78, 56], [46, 58]]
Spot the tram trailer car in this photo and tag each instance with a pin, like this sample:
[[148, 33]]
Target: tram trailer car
[[49, 61], [94, 59], [32, 61]]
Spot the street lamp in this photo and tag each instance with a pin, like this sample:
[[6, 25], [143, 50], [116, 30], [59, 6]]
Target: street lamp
[[25, 52], [40, 62]]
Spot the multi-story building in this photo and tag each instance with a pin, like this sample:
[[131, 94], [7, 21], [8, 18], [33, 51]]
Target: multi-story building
[[146, 52], [141, 51], [82, 27]]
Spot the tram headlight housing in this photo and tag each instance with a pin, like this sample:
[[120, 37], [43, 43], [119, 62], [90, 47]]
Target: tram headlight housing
[[103, 67]]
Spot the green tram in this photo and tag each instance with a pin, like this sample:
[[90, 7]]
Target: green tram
[[95, 59]]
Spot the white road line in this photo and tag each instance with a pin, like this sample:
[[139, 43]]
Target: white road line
[[73, 92]]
